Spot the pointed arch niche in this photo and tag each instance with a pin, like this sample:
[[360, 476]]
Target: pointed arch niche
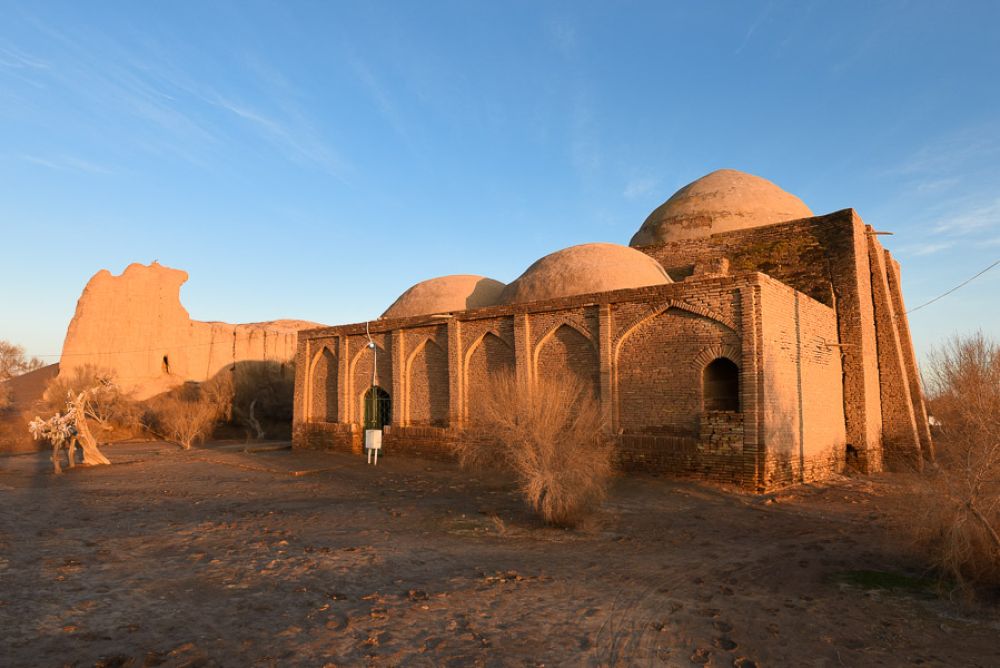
[[488, 357], [565, 352], [427, 385], [658, 370], [361, 373], [323, 404]]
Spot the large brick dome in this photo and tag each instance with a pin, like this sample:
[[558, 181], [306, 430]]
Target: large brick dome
[[582, 270], [445, 294], [722, 201]]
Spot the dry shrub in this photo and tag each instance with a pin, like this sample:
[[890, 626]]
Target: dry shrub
[[957, 502], [188, 414], [14, 362], [263, 398], [110, 409], [6, 398], [553, 440]]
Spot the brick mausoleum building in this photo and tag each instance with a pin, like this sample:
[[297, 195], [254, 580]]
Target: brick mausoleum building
[[740, 338]]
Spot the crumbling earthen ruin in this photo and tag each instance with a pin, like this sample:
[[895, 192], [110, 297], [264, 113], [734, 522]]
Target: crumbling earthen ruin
[[135, 326]]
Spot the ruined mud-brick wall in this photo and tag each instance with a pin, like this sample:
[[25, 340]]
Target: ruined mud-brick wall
[[835, 260], [135, 326], [641, 352]]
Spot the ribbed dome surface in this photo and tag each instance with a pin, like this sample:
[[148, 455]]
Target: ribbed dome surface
[[445, 294], [584, 269], [722, 201]]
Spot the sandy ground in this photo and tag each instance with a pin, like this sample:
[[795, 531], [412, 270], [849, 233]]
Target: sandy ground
[[222, 557]]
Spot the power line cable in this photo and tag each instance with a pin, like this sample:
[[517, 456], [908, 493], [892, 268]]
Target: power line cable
[[126, 352], [960, 285]]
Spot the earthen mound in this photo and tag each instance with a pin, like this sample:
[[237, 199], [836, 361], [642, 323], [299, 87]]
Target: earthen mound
[[584, 269], [722, 201], [446, 294]]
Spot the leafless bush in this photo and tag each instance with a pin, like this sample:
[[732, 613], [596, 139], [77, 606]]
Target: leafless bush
[[108, 407], [552, 439], [14, 362], [6, 398], [263, 396], [188, 414], [957, 503]]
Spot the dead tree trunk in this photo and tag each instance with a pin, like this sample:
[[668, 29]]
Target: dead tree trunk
[[92, 455]]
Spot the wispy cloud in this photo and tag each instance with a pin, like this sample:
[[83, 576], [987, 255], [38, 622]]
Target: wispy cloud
[[639, 187], [383, 100], [169, 108], [977, 219], [763, 16], [921, 249], [944, 156], [13, 58], [937, 185], [67, 163], [297, 141]]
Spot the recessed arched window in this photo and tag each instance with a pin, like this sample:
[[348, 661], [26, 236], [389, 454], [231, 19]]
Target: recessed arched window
[[378, 408], [721, 385]]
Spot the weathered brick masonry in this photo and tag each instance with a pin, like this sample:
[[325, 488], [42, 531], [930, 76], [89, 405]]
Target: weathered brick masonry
[[836, 260], [641, 351], [780, 354]]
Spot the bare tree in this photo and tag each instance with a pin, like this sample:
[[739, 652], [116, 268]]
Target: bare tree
[[108, 406], [70, 429], [14, 362], [958, 502]]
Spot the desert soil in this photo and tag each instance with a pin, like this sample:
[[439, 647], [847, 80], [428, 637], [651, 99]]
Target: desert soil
[[218, 556]]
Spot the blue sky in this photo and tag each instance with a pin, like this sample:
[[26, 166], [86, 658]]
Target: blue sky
[[313, 160]]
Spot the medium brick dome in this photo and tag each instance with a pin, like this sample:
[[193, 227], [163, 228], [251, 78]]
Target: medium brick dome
[[722, 201], [584, 269], [446, 294]]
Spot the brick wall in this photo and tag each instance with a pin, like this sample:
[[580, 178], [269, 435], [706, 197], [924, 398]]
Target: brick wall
[[566, 353], [804, 434], [659, 371], [359, 373], [899, 428], [909, 358], [323, 403], [427, 381], [643, 351], [826, 258], [490, 355]]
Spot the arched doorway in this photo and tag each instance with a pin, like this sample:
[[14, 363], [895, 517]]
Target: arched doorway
[[722, 385], [378, 408]]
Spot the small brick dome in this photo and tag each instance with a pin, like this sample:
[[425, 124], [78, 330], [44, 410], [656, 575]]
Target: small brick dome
[[722, 201], [446, 294], [584, 269]]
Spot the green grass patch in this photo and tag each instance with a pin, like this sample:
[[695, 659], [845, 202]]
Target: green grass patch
[[887, 581]]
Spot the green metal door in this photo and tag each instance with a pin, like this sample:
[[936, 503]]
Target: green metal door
[[378, 408]]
